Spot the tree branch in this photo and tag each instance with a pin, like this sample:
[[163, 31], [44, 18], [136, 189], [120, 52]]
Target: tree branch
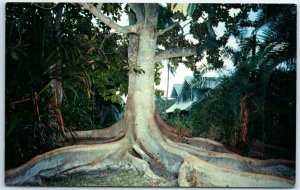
[[211, 31], [151, 11], [96, 11], [161, 32], [138, 10], [184, 52], [175, 52]]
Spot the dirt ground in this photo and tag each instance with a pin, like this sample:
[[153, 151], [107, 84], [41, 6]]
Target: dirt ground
[[106, 178]]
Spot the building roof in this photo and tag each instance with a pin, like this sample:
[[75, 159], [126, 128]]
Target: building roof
[[181, 106], [178, 87], [176, 90], [206, 82], [203, 82], [200, 83], [189, 79]]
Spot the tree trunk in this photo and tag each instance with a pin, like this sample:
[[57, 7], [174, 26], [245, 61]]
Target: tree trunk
[[241, 144], [142, 140], [244, 117], [167, 90]]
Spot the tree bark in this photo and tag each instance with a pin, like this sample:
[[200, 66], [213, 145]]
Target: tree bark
[[244, 117]]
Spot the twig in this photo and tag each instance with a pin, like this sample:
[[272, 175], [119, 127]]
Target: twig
[[18, 102], [161, 32], [49, 8]]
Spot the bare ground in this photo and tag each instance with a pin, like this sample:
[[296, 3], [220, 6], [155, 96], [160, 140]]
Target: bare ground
[[111, 177]]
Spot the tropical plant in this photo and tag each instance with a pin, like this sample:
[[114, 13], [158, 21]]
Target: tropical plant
[[241, 106], [49, 74]]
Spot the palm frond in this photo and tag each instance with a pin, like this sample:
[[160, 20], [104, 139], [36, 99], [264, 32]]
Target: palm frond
[[227, 52], [204, 68]]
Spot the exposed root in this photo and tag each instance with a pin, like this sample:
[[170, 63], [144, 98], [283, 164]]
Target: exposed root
[[230, 169], [206, 144], [215, 153], [140, 152], [154, 163], [95, 140], [169, 130], [143, 167], [275, 167], [104, 135], [199, 162], [195, 172], [66, 160], [268, 170]]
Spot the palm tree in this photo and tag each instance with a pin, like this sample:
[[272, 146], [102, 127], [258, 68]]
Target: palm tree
[[173, 71]]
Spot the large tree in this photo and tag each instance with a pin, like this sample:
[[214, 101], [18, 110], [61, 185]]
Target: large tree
[[141, 139]]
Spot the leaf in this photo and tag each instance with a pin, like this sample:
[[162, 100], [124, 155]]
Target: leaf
[[45, 87], [86, 37], [182, 7], [91, 61], [173, 5], [14, 55], [58, 114], [93, 38], [90, 51], [209, 44], [191, 9]]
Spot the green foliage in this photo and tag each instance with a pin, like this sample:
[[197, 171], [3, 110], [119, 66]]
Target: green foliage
[[187, 9], [219, 112], [162, 104], [98, 78], [164, 18], [134, 69], [265, 70], [91, 74], [158, 67], [159, 93], [30, 68], [179, 120], [208, 46]]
